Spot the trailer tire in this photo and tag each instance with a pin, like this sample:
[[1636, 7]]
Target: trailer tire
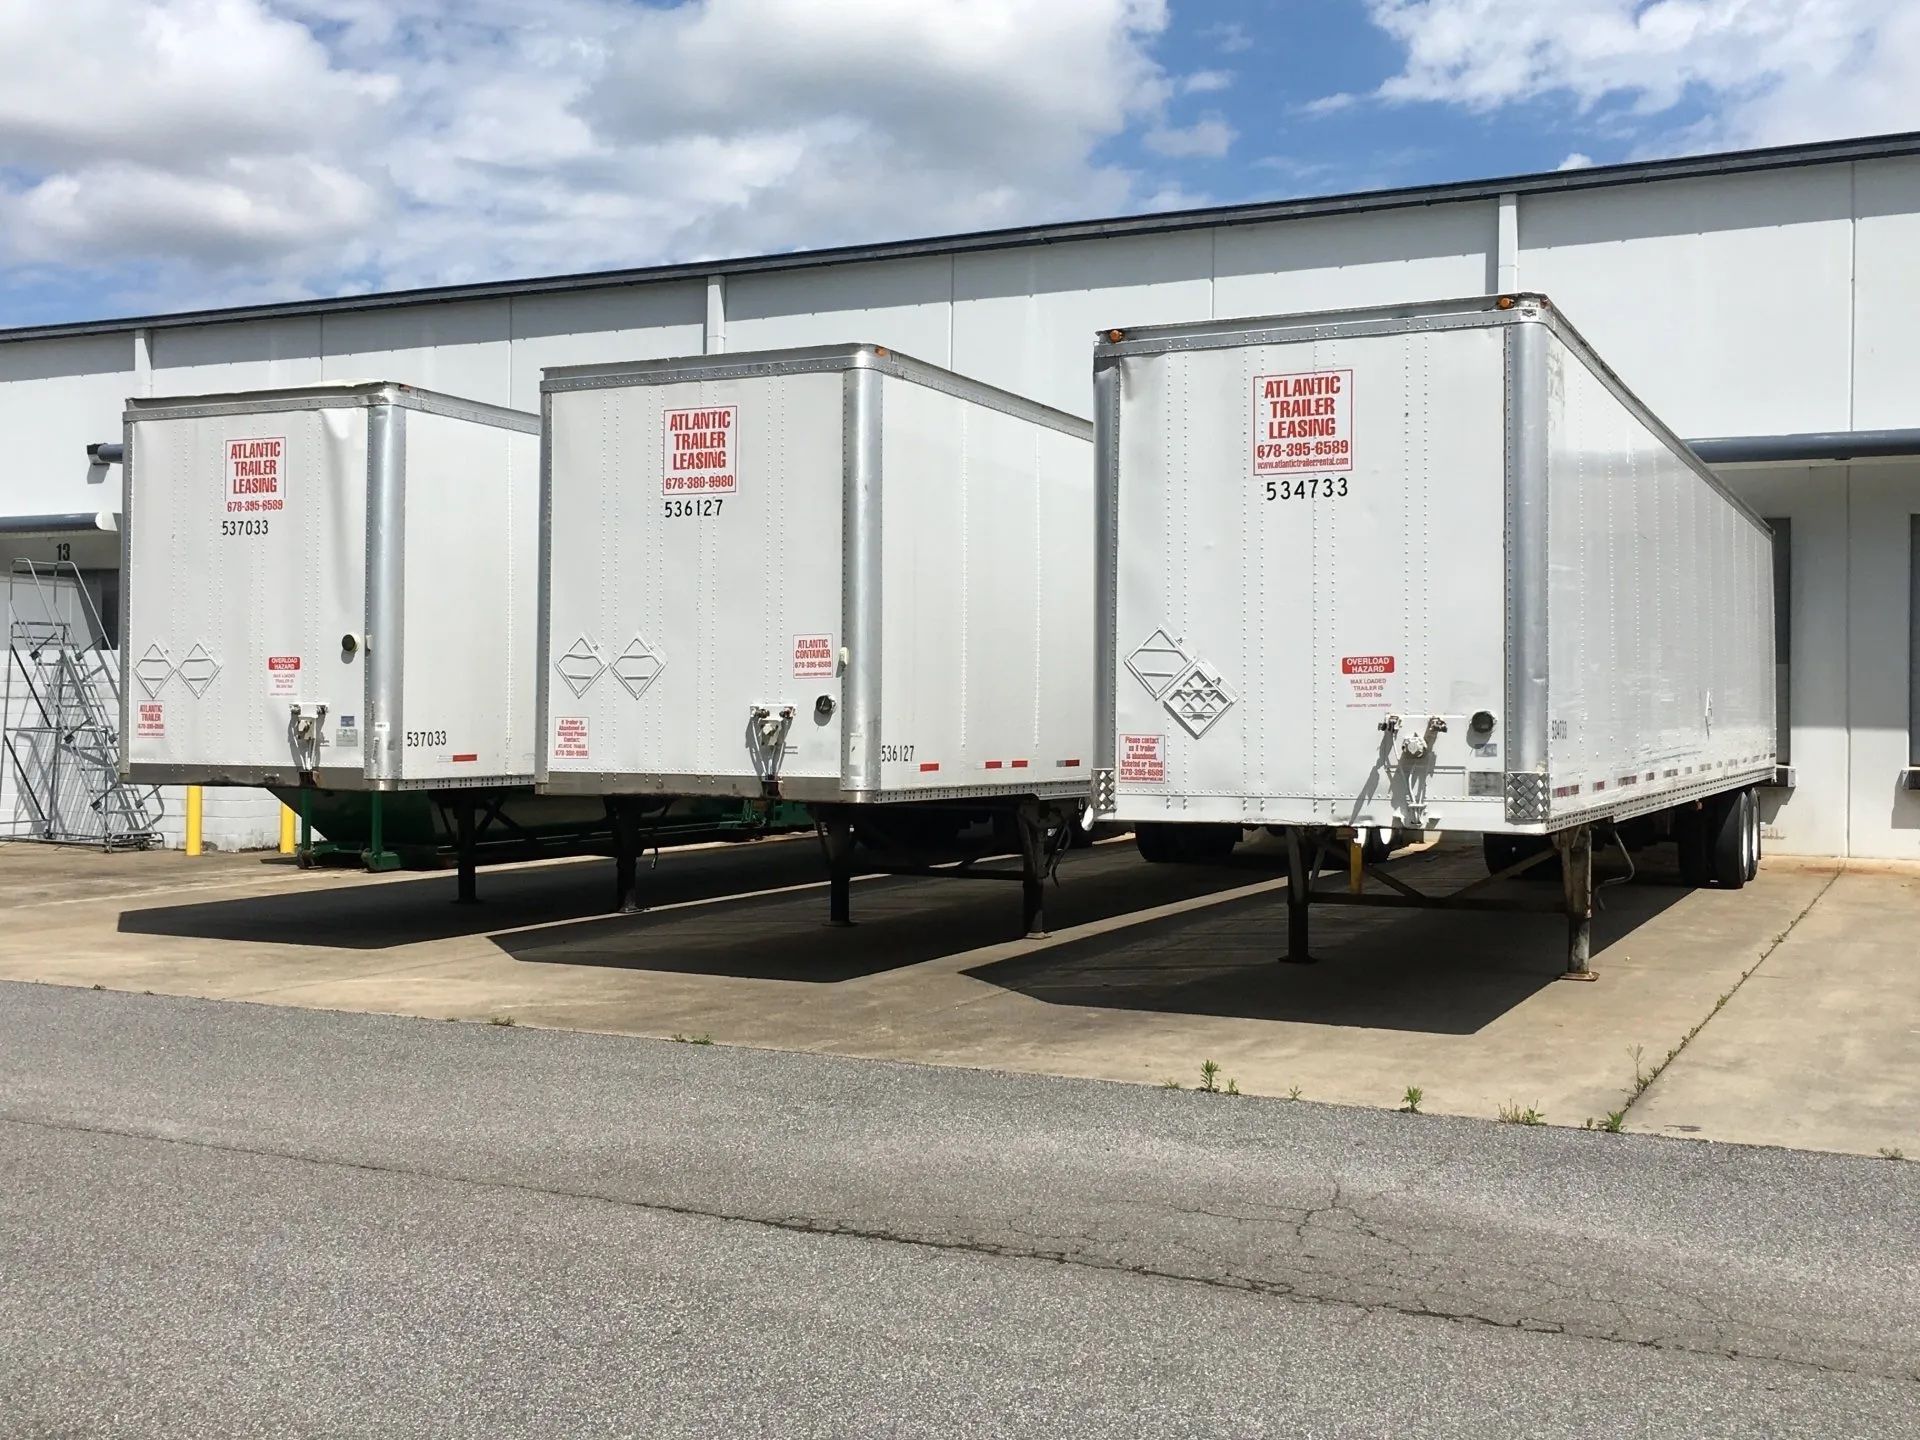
[[1158, 844], [1726, 819], [1753, 834]]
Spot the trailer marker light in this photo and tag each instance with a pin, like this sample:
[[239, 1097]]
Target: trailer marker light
[[994, 764], [1505, 302], [461, 759], [1066, 764], [927, 767], [1020, 764], [1116, 336]]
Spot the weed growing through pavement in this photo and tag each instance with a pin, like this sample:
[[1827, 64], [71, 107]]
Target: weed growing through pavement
[[1512, 1114], [1892, 1152], [693, 1039], [1410, 1102], [1209, 1076], [501, 1020], [1294, 1093], [1616, 1122], [1170, 1084]]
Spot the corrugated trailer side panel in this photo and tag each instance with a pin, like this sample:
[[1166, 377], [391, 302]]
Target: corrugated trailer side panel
[[244, 563], [1658, 608], [472, 497], [986, 596]]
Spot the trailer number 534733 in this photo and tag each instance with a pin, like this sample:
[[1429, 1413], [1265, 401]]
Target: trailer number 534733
[[1319, 487]]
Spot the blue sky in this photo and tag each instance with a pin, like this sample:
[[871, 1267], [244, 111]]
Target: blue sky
[[275, 149]]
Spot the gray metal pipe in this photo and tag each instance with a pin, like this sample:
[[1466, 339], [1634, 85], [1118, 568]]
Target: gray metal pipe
[[107, 452], [1826, 446]]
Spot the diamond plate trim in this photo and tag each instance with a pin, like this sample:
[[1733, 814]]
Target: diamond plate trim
[[198, 670], [580, 666], [1526, 798], [638, 666], [153, 670], [1198, 698], [1157, 662]]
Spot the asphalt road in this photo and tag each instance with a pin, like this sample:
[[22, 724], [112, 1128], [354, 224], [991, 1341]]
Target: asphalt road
[[223, 1219]]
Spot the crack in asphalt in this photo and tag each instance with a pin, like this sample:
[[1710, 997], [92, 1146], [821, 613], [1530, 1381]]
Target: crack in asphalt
[[1394, 1294]]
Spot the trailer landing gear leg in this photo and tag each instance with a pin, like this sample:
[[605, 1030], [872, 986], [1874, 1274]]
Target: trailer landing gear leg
[[468, 893], [626, 857], [1033, 871], [1576, 868], [1299, 889], [836, 839]]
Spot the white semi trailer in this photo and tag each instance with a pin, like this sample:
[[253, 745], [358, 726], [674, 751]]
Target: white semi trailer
[[833, 575], [1415, 568], [331, 587]]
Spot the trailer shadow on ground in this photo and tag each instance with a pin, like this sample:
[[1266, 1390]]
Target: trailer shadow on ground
[[413, 910], [899, 922], [1438, 972]]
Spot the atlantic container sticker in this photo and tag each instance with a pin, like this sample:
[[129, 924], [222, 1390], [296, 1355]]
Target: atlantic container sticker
[[283, 674], [812, 657], [1303, 422], [1143, 759], [256, 474], [570, 737], [700, 451], [150, 721], [1366, 677]]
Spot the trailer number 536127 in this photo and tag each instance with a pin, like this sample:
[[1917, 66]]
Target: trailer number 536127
[[1319, 487]]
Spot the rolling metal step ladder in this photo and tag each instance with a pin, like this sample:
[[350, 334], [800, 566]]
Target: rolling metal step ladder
[[62, 719]]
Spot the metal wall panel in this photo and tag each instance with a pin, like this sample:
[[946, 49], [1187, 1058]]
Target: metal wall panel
[[455, 349], [1336, 262], [588, 327], [467, 616], [57, 396], [1883, 815], [253, 355], [1025, 319], [903, 304], [1725, 304], [1886, 294]]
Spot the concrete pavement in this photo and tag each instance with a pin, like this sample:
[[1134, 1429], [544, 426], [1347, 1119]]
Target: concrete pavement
[[1150, 971], [271, 1221]]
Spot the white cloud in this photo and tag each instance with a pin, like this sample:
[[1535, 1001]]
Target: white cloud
[[1229, 37], [1207, 139], [1578, 160], [1769, 71], [305, 144], [1205, 82]]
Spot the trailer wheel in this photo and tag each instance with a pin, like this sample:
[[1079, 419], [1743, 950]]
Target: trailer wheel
[[1726, 831], [1753, 834], [1158, 844]]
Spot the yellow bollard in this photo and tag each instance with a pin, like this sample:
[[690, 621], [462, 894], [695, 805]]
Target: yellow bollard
[[193, 819], [1356, 866], [286, 829]]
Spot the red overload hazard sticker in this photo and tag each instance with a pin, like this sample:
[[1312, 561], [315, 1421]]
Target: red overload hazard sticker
[[283, 674], [1367, 679], [1143, 759], [150, 720], [700, 451], [1303, 422], [570, 737]]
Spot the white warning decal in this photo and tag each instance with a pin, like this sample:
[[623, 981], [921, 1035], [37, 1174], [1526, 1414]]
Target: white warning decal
[[570, 737], [150, 720], [700, 451], [1366, 677], [1303, 422], [283, 674], [1143, 759], [812, 657]]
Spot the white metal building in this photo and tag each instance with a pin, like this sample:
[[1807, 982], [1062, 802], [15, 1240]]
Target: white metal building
[[1760, 295]]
